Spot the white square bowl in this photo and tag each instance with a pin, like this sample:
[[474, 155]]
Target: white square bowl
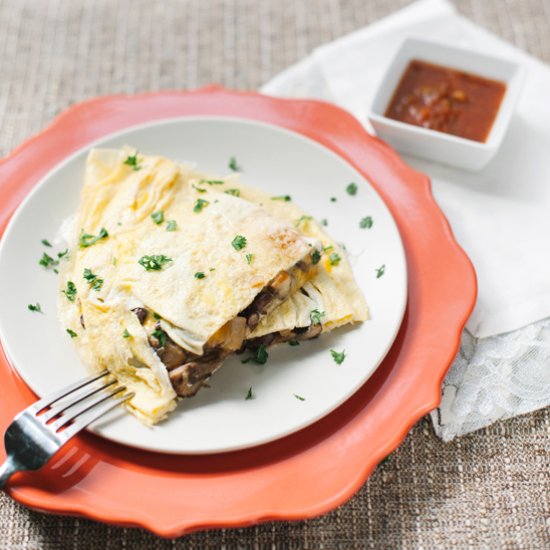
[[439, 146]]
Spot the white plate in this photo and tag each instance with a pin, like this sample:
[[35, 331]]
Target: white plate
[[217, 419]]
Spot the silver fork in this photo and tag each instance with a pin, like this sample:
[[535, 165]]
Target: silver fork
[[38, 432]]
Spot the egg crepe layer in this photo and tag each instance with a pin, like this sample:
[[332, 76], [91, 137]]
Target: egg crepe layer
[[164, 276], [330, 300]]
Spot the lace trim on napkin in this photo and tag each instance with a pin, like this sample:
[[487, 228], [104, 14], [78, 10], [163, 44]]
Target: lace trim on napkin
[[495, 378]]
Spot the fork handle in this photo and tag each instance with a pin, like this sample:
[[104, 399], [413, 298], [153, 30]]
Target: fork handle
[[7, 470]]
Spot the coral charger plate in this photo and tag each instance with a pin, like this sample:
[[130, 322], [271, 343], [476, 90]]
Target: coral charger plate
[[309, 472]]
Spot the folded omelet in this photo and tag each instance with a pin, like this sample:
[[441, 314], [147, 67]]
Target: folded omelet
[[331, 299], [170, 271]]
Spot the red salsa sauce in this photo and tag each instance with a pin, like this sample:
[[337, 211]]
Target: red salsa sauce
[[446, 100]]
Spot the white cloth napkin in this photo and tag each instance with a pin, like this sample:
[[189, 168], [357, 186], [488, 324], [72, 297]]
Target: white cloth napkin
[[500, 216]]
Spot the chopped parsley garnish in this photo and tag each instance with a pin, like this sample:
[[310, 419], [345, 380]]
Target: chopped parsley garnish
[[171, 225], [70, 291], [132, 160], [45, 242], [199, 275], [324, 222], [198, 189], [87, 240], [155, 262], [212, 182], [126, 334], [212, 269], [63, 254], [299, 397], [249, 394], [161, 336], [71, 333], [315, 316], [329, 247], [293, 343], [301, 219], [56, 271], [35, 307], [315, 257], [366, 223], [233, 165], [249, 258], [93, 280], [260, 358], [158, 217], [286, 198], [234, 192], [352, 189], [380, 271], [239, 242], [199, 205], [261, 355], [333, 199], [334, 258], [47, 261], [338, 356]]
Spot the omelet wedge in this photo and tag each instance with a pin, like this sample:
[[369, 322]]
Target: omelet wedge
[[329, 300]]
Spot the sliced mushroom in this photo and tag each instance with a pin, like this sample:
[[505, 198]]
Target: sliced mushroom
[[141, 314], [299, 333], [187, 379], [154, 342], [266, 340], [172, 355], [312, 332], [253, 320], [262, 301]]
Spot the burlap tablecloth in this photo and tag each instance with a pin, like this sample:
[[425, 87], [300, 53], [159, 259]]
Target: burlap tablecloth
[[490, 489]]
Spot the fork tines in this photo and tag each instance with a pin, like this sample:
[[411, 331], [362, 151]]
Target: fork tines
[[71, 409], [39, 431]]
